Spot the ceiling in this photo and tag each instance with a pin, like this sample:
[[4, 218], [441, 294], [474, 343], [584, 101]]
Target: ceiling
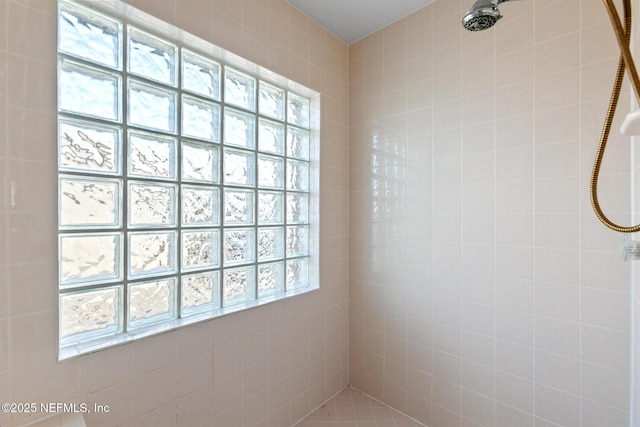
[[351, 20]]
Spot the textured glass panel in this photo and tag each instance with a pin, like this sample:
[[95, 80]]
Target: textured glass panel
[[152, 253], [298, 110], [200, 249], [239, 89], [88, 147], [200, 162], [90, 258], [87, 35], [238, 285], [271, 136], [270, 243], [377, 187], [151, 204], [152, 155], [239, 128], [270, 208], [238, 207], [151, 302], [239, 246], [297, 273], [151, 107], [152, 57], [200, 292], [200, 206], [297, 241], [239, 167], [297, 208], [89, 92], [298, 143], [200, 75], [270, 279], [377, 164], [297, 175], [200, 119], [90, 314], [89, 202], [270, 172], [271, 101]]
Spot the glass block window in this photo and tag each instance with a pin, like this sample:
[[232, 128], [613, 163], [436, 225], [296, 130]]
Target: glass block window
[[184, 186]]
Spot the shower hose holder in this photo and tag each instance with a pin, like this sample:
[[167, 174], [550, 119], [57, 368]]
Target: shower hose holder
[[630, 249]]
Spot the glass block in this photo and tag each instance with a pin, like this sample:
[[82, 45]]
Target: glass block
[[239, 246], [297, 175], [89, 315], [297, 241], [377, 164], [200, 206], [89, 35], [238, 285], [298, 143], [297, 208], [239, 89], [200, 249], [200, 162], [271, 101], [298, 110], [151, 107], [200, 292], [270, 208], [89, 92], [271, 136], [152, 204], [152, 156], [89, 202], [270, 172], [270, 243], [89, 147], [238, 207], [200, 119], [200, 75], [270, 279], [239, 128], [377, 187], [152, 254], [151, 303], [152, 57], [297, 274], [239, 167], [90, 258]]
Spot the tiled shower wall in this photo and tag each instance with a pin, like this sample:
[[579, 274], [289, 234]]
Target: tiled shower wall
[[483, 290], [268, 366]]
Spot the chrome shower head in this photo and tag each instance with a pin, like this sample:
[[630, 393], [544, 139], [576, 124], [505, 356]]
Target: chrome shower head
[[482, 15]]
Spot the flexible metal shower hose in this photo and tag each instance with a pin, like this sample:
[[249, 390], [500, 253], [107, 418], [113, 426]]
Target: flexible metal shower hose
[[623, 34]]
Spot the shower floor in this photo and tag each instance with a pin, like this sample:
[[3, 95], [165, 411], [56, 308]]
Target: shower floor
[[350, 408]]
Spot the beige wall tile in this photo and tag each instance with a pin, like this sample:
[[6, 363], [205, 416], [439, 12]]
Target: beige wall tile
[[174, 375], [519, 276]]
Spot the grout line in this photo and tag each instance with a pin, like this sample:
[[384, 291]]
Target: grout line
[[533, 219], [633, 410], [494, 400], [579, 225], [350, 387], [386, 406], [320, 406]]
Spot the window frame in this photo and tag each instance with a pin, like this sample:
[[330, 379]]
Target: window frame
[[134, 18]]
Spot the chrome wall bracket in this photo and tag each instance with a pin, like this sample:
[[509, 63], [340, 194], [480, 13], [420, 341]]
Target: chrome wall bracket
[[630, 249]]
